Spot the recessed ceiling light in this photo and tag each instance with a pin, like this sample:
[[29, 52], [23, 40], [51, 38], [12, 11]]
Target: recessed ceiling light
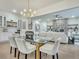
[[73, 16], [14, 11], [24, 10]]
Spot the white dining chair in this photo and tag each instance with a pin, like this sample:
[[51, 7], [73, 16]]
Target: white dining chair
[[24, 47], [22, 32], [13, 45], [16, 35], [51, 49]]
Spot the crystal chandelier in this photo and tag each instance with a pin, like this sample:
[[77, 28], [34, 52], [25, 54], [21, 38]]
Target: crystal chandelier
[[29, 12]]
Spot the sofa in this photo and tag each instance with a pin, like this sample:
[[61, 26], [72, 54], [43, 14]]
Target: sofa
[[52, 36]]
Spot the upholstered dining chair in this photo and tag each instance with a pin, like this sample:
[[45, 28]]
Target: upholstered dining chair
[[13, 45], [24, 47], [51, 49], [29, 35], [22, 32]]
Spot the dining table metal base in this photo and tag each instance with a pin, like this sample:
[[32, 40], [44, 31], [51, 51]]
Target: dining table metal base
[[38, 45]]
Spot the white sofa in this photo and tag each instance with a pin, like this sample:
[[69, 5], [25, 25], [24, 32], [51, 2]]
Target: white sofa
[[54, 35]]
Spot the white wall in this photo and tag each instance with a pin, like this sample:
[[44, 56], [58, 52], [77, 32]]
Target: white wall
[[10, 16], [65, 4], [4, 36], [74, 21], [14, 17]]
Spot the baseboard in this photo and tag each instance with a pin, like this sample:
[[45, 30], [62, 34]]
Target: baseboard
[[6, 41]]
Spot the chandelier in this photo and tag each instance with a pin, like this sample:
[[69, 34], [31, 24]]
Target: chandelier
[[29, 12]]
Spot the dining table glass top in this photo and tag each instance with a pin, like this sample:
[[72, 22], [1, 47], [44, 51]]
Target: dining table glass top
[[38, 40]]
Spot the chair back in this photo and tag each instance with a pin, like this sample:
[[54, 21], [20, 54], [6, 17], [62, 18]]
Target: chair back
[[22, 32], [21, 44], [29, 34], [12, 42], [56, 45]]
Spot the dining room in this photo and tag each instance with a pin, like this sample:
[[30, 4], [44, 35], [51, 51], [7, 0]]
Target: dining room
[[37, 30]]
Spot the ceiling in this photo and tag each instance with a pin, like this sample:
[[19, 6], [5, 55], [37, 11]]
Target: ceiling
[[19, 5], [69, 12]]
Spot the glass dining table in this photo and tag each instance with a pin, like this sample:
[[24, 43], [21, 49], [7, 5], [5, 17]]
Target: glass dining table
[[38, 43]]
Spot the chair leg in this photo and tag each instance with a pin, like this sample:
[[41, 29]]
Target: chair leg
[[15, 52], [57, 55], [25, 56], [46, 54], [35, 54], [18, 54], [10, 50], [40, 54], [53, 56]]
